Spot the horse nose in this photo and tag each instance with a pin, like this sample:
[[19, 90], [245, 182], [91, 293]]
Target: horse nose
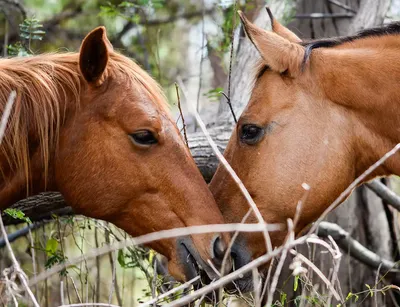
[[221, 259], [219, 248]]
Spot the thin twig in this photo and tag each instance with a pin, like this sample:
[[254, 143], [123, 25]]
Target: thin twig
[[323, 16], [275, 279], [33, 253], [170, 292], [201, 62], [76, 289], [319, 273], [343, 6], [231, 59], [62, 292], [256, 285], [228, 101], [154, 283], [181, 114]]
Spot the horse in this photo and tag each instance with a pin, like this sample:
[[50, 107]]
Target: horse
[[321, 112], [95, 127]]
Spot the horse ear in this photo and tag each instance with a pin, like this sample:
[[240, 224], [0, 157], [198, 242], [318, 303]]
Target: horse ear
[[93, 56], [279, 54], [281, 30]]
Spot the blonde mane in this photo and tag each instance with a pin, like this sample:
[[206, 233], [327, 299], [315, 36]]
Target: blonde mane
[[46, 85]]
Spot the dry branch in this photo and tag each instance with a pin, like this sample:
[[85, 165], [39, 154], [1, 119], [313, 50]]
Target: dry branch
[[385, 193], [356, 250]]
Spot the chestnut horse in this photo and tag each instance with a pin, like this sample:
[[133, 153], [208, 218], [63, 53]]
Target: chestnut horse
[[320, 113], [96, 127]]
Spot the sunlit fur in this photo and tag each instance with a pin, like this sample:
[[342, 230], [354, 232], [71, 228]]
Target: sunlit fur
[[69, 131], [44, 84], [333, 114]]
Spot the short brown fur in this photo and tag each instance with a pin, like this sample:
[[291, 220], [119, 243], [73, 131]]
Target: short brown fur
[[330, 123]]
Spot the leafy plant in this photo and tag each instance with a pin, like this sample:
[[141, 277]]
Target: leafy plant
[[129, 10], [30, 30], [214, 94], [18, 215]]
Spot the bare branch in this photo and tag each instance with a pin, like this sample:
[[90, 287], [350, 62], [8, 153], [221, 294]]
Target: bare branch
[[19, 233], [356, 250], [342, 5], [385, 193], [324, 16]]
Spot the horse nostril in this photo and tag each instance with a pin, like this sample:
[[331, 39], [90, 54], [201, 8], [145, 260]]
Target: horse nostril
[[219, 248]]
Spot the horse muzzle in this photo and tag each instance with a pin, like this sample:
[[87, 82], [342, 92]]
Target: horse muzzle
[[194, 265]]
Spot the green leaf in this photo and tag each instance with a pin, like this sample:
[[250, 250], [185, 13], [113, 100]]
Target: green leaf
[[51, 246], [18, 215], [370, 290], [283, 298], [121, 258], [296, 283]]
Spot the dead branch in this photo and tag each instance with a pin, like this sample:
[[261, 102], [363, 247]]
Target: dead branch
[[356, 250], [15, 4], [385, 193], [324, 16], [19, 233]]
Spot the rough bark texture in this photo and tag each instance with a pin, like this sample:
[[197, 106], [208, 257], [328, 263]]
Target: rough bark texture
[[363, 214]]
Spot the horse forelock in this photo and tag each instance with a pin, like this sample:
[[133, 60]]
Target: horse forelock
[[46, 85]]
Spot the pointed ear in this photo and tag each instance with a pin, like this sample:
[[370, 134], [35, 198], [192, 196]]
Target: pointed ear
[[281, 30], [93, 56], [278, 53]]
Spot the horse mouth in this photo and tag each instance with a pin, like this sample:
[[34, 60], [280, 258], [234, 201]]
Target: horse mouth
[[192, 267]]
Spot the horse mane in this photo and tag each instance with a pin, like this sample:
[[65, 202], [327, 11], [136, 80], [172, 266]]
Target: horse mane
[[389, 29], [45, 85]]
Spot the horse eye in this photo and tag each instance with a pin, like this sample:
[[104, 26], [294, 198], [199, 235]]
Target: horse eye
[[251, 134], [144, 137]]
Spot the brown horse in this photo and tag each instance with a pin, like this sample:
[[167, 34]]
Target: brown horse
[[320, 113], [96, 127]]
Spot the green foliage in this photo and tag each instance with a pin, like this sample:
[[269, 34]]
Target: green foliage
[[370, 291], [214, 94], [30, 30], [18, 215], [296, 282], [129, 10], [51, 246], [131, 259], [55, 256], [350, 296]]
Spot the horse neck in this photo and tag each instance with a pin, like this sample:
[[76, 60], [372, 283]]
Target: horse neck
[[363, 82], [48, 90]]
